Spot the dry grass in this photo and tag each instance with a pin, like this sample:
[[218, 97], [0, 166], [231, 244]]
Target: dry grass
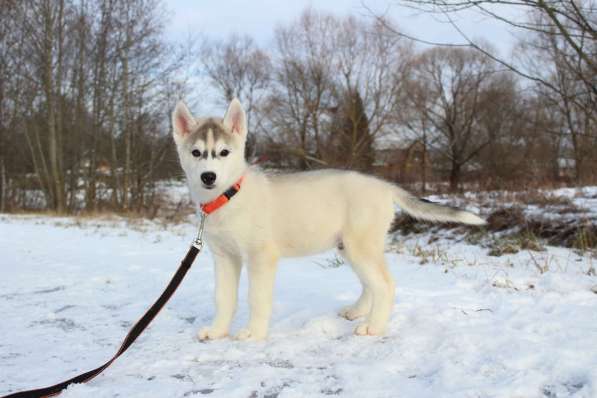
[[506, 218], [514, 243], [510, 229]]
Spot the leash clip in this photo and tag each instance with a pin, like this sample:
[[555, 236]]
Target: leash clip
[[198, 241]]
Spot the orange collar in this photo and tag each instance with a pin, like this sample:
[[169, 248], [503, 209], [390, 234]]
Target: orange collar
[[221, 200]]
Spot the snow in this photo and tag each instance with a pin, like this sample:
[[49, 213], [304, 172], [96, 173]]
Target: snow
[[576, 205], [464, 325], [174, 191]]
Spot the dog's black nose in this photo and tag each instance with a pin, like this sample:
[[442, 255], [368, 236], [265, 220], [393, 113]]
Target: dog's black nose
[[208, 178]]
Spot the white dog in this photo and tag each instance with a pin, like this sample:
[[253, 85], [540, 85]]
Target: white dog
[[258, 218]]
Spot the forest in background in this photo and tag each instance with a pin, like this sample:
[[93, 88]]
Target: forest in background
[[87, 87]]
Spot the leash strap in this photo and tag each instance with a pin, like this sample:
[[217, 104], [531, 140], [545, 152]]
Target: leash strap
[[130, 338]]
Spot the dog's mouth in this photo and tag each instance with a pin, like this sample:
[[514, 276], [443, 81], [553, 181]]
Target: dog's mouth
[[208, 186]]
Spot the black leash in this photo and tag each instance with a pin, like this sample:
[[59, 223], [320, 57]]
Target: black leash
[[135, 331]]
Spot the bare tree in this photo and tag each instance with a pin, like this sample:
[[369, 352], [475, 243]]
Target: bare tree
[[573, 22], [237, 67], [8, 42], [322, 60], [86, 87], [451, 88], [557, 55], [574, 104], [301, 91], [44, 41]]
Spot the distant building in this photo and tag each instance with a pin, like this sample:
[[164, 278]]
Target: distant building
[[566, 168], [403, 163]]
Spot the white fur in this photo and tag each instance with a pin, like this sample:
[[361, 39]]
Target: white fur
[[235, 119], [297, 214]]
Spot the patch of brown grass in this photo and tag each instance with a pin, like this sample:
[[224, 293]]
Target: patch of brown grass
[[506, 218], [517, 231]]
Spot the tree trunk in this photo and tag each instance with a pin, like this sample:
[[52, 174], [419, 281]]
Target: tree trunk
[[3, 187], [115, 180], [303, 164], [127, 129], [58, 108], [455, 176], [99, 80], [53, 139], [424, 165], [578, 158]]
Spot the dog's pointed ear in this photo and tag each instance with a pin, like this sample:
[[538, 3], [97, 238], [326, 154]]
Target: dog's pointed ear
[[235, 119], [182, 120]]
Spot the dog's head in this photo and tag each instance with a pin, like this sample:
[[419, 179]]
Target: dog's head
[[211, 150]]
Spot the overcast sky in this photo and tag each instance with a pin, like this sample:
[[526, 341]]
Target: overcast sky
[[258, 18]]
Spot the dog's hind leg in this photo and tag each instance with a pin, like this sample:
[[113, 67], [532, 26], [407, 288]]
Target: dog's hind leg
[[363, 305], [383, 288], [360, 308], [367, 260]]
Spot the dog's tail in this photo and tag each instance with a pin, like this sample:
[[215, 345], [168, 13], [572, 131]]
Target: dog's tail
[[426, 210]]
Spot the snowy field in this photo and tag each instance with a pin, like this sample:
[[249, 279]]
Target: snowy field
[[465, 324]]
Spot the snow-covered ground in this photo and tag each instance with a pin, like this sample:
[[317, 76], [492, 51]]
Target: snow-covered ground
[[561, 203], [464, 325]]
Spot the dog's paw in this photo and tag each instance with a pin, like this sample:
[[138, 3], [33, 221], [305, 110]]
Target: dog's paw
[[364, 329], [248, 335], [351, 313], [209, 333]]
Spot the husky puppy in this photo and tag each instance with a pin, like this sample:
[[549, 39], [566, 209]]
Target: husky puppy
[[273, 216]]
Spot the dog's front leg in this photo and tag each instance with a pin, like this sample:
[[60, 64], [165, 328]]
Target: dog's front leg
[[262, 273], [227, 270]]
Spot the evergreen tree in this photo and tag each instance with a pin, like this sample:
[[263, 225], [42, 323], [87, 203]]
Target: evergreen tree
[[350, 139]]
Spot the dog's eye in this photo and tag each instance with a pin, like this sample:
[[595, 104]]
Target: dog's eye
[[225, 152], [196, 153]]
